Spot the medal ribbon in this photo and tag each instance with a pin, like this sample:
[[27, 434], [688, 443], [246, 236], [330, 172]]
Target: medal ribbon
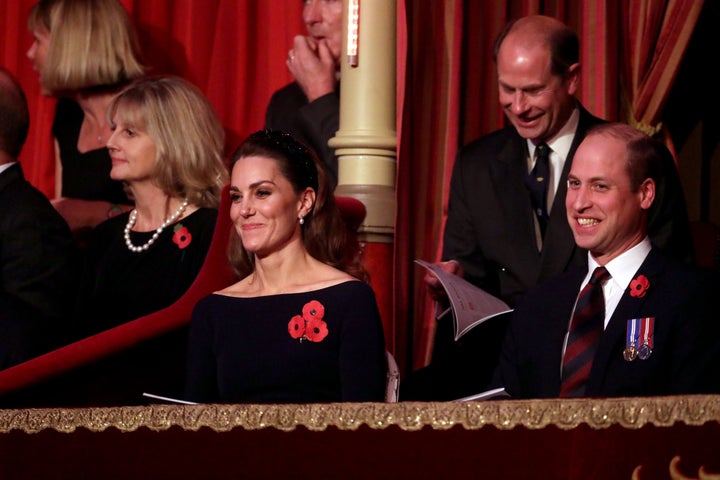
[[633, 333], [646, 331]]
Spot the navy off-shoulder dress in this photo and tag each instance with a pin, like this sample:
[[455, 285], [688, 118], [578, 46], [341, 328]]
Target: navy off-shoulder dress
[[325, 345]]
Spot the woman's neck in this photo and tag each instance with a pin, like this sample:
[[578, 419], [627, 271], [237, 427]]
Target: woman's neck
[[154, 207], [94, 130], [283, 272]]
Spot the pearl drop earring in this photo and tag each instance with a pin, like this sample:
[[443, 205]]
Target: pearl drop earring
[[301, 220]]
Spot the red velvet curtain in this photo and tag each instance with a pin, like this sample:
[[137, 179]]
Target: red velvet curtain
[[234, 50], [654, 36], [450, 99]]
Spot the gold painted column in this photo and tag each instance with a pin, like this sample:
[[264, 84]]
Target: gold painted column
[[366, 142]]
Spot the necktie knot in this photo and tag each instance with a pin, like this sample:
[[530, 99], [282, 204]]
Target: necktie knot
[[599, 276], [542, 150]]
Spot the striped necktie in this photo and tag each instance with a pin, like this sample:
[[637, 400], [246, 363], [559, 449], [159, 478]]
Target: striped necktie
[[586, 328]]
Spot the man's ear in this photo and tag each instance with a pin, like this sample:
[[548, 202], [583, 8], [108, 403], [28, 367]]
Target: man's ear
[[573, 78], [647, 193]]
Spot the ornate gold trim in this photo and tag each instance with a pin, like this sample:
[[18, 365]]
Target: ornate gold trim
[[631, 413]]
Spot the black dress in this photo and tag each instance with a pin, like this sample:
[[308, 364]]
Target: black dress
[[119, 285], [84, 175], [246, 350]]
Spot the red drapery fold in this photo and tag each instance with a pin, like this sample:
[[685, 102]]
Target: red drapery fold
[[235, 51], [452, 79], [655, 36]]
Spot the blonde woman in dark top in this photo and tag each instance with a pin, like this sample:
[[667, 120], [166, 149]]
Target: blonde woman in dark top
[[85, 51], [167, 146]]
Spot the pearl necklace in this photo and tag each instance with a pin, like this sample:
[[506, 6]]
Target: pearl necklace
[[133, 218]]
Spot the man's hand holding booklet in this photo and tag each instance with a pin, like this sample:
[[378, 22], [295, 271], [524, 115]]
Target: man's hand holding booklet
[[469, 304]]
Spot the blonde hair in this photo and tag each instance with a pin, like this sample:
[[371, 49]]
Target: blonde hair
[[188, 135], [92, 44]]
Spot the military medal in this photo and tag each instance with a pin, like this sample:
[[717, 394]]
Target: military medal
[[630, 353], [631, 340], [644, 351], [647, 326], [639, 338]]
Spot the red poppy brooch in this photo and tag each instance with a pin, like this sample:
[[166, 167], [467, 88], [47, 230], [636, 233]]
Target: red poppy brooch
[[639, 286], [310, 326], [182, 236]]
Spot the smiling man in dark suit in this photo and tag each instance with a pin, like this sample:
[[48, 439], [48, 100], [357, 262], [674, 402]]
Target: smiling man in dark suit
[[501, 234], [36, 246], [492, 237], [652, 330]]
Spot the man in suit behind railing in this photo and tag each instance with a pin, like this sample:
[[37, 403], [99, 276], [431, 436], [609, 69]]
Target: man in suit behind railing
[[651, 328], [496, 237], [36, 246]]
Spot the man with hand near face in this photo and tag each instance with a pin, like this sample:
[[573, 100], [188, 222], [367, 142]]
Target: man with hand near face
[[309, 108]]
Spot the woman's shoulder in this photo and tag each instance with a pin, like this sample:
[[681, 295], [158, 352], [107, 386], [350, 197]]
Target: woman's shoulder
[[347, 291], [201, 215], [112, 225], [67, 109], [332, 288], [201, 221]]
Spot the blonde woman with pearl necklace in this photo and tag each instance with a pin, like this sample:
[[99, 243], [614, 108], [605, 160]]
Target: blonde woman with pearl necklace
[[166, 146]]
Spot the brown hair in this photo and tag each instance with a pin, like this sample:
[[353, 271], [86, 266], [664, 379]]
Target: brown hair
[[646, 156], [325, 235]]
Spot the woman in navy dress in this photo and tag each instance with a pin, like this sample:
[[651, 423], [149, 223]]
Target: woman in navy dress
[[302, 324]]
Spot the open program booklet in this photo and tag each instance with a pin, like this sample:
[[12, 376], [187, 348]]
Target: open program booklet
[[470, 305]]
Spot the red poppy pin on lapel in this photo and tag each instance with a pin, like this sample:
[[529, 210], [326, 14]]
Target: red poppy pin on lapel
[[639, 286]]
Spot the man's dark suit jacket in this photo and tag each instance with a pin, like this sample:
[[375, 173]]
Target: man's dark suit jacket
[[490, 227], [36, 270], [490, 230], [312, 123], [686, 351]]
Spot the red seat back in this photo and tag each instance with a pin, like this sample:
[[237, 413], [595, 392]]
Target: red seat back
[[215, 274]]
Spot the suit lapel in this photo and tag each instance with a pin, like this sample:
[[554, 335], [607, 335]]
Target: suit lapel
[[513, 165], [613, 340], [10, 175], [559, 249], [515, 202]]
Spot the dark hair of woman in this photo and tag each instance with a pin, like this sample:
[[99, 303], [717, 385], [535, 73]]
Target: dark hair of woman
[[325, 234]]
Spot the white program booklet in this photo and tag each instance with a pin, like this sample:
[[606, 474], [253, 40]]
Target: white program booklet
[[168, 399], [494, 394], [470, 305]]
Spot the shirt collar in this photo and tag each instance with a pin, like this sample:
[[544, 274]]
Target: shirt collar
[[561, 142], [624, 267]]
